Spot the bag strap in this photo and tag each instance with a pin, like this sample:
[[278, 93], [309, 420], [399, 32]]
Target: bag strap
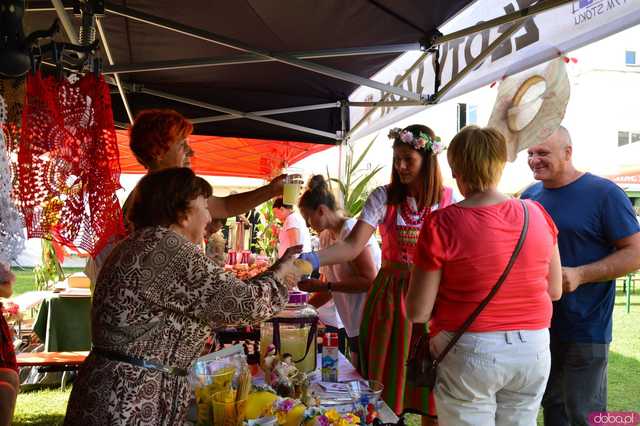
[[494, 290]]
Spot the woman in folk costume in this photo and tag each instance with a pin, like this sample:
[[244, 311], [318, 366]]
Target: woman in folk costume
[[398, 211]]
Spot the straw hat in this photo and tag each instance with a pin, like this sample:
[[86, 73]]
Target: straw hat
[[530, 106]]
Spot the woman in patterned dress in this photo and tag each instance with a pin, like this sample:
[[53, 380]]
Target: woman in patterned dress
[[9, 381], [156, 300], [398, 211]]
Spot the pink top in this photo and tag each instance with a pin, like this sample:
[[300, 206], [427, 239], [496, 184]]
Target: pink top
[[472, 246]]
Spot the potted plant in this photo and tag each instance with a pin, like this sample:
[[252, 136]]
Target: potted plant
[[354, 186], [267, 231]]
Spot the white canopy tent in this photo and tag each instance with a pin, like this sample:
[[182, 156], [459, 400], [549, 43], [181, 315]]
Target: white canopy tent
[[479, 48]]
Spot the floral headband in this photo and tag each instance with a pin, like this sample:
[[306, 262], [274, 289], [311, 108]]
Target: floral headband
[[423, 141]]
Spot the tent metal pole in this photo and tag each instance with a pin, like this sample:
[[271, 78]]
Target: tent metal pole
[[340, 163], [517, 16], [249, 58], [266, 112], [478, 60], [65, 20], [234, 44], [116, 76], [344, 119], [240, 114], [384, 104], [43, 9], [404, 77]]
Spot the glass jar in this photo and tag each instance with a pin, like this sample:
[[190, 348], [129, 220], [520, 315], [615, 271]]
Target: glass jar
[[293, 331]]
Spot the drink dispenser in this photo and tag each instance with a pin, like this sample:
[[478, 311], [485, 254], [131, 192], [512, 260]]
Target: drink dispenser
[[294, 331]]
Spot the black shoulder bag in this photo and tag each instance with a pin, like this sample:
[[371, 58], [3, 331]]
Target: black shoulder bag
[[421, 367]]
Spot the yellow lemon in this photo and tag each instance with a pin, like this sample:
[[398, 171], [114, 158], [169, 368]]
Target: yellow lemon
[[259, 404], [295, 415], [304, 267]]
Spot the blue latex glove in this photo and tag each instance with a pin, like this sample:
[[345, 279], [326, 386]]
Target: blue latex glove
[[312, 258]]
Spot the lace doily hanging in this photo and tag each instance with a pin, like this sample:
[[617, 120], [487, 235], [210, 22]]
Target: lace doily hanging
[[13, 93], [11, 226], [68, 164]]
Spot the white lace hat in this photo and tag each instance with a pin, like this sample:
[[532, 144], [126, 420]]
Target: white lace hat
[[530, 105]]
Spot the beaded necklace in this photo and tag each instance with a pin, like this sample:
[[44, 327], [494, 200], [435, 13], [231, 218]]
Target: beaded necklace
[[408, 214]]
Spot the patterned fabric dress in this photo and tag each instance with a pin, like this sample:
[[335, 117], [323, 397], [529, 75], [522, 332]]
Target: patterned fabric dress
[[385, 332], [158, 297]]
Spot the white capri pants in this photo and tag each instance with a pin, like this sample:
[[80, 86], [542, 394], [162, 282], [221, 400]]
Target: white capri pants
[[495, 378]]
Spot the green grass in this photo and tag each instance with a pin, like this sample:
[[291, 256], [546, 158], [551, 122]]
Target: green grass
[[624, 357], [41, 407], [47, 407], [25, 280]]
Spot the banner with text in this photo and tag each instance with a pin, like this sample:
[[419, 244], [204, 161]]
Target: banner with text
[[541, 38]]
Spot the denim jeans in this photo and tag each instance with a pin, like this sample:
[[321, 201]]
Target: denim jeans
[[577, 383], [494, 378]]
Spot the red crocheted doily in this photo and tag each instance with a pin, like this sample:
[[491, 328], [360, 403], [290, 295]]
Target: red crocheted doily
[[68, 164]]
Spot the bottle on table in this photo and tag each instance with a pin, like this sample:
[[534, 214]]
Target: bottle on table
[[330, 354]]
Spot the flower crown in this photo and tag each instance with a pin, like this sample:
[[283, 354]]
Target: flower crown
[[423, 141]]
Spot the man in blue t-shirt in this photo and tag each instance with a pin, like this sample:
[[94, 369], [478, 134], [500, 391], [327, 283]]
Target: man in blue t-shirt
[[599, 240]]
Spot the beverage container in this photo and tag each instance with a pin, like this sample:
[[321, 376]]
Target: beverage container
[[233, 257], [292, 187], [293, 331], [330, 357], [239, 240]]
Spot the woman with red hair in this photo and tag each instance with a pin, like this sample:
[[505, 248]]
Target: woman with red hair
[[159, 140]]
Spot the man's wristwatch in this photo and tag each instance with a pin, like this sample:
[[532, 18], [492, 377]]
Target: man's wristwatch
[[329, 286]]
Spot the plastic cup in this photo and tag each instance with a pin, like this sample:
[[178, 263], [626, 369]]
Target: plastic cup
[[292, 186], [207, 385], [363, 393], [370, 389], [227, 411]]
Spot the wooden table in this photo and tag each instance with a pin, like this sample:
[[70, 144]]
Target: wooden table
[[49, 359], [52, 361]]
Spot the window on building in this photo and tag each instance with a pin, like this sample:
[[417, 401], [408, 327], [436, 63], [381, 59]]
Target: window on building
[[467, 114], [623, 138], [462, 116], [635, 137], [472, 114], [630, 57]]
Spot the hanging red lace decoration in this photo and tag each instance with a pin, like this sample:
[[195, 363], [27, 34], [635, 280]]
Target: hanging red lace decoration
[[68, 163]]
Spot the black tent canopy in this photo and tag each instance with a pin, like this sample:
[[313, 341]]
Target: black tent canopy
[[280, 70], [293, 63]]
